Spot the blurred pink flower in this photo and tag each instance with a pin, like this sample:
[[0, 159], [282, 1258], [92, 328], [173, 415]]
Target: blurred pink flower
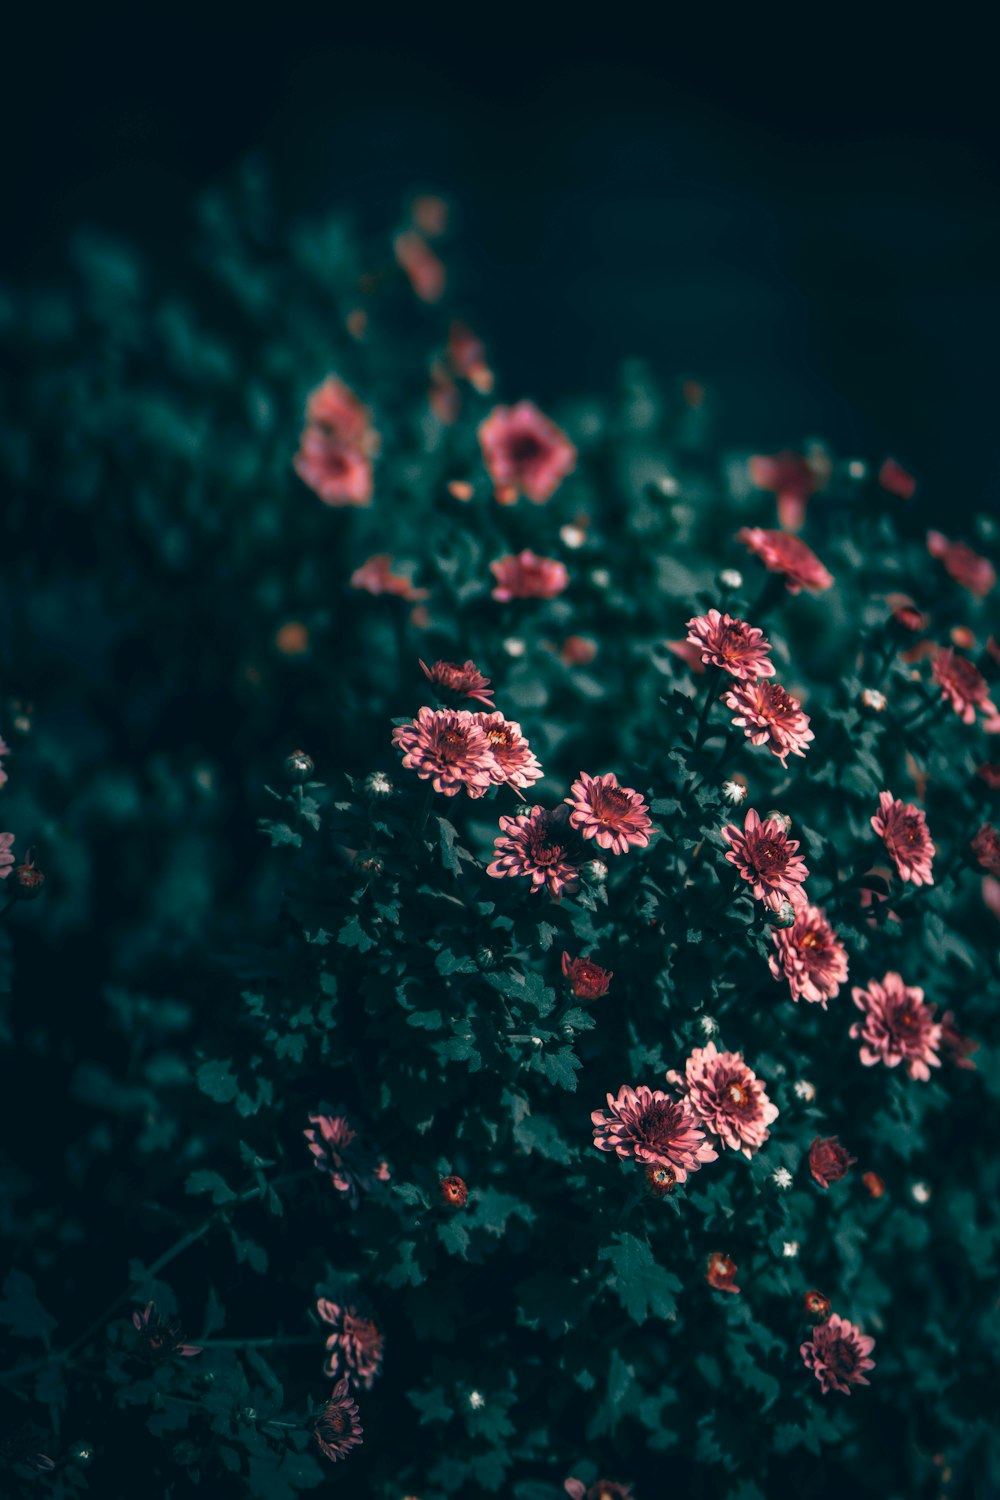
[[356, 1345], [336, 411], [906, 613], [894, 478], [962, 685], [447, 747], [158, 1339], [837, 1354], [810, 956], [615, 817], [991, 895], [959, 1048], [601, 1489], [526, 576], [338, 1150], [652, 1128], [738, 648], [898, 1027], [525, 453], [337, 1429], [541, 846], [468, 358], [6, 854], [514, 762], [338, 474], [990, 773], [783, 553], [903, 829], [791, 479], [721, 1272], [423, 268], [454, 681], [4, 750], [691, 655], [973, 572], [577, 651], [770, 716], [986, 847], [375, 576], [768, 860], [829, 1161], [729, 1098]]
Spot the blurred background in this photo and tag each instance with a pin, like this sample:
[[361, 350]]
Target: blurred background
[[806, 221]]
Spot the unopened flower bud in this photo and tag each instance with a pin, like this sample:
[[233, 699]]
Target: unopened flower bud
[[369, 864], [453, 1192], [514, 646], [600, 578], [874, 1184], [378, 785], [783, 917], [82, 1453], [476, 1400], [485, 958], [873, 699], [781, 817], [857, 468], [597, 871], [790, 1249], [817, 1306], [572, 536], [730, 579], [805, 1090], [921, 1192], [299, 766], [26, 880], [734, 791]]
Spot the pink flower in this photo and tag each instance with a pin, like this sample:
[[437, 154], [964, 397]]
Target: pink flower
[[447, 747], [689, 654], [768, 860], [894, 478], [721, 1272], [770, 716], [375, 576], [898, 1027], [729, 1098], [525, 453], [906, 613], [838, 1354], [528, 577], [616, 817], [990, 773], [601, 1489], [468, 358], [6, 854], [962, 685], [654, 1129], [338, 474], [587, 980], [337, 1429], [986, 847], [457, 682], [577, 651], [959, 1048], [336, 411], [991, 895], [514, 762], [160, 1340], [338, 1149], [355, 1344], [430, 214], [423, 268], [542, 846], [810, 956], [4, 750], [902, 827], [738, 648], [829, 1161], [791, 479], [782, 553], [973, 572]]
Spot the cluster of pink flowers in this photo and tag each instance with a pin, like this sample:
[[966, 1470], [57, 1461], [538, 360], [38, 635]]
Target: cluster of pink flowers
[[837, 1354], [902, 827], [780, 552], [615, 817], [527, 576], [456, 750], [356, 1344], [964, 687], [810, 956], [768, 860], [525, 453], [337, 446], [898, 1026], [770, 716]]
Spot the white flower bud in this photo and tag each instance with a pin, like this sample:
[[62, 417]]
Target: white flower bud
[[572, 536], [781, 1177], [378, 785], [873, 699], [514, 646], [921, 1192], [476, 1400], [790, 1249], [731, 579], [805, 1090], [734, 792]]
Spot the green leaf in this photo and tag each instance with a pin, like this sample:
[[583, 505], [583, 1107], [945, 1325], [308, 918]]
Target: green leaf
[[204, 1181], [21, 1311], [217, 1081], [643, 1287]]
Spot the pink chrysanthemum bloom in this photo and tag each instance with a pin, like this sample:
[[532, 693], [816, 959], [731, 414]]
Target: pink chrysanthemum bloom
[[6, 854], [355, 1345], [902, 827], [614, 816], [587, 980], [738, 648], [837, 1354], [958, 1047], [339, 1151], [601, 1489], [337, 1429], [654, 1129], [986, 847], [768, 860], [337, 473], [375, 576], [829, 1161], [424, 269], [158, 1339], [335, 409], [515, 763], [898, 1027], [810, 956], [525, 453], [783, 553], [449, 680], [790, 478], [729, 1098], [542, 846], [447, 747], [963, 686], [770, 716], [527, 576], [973, 572], [894, 478], [690, 655], [4, 750], [468, 358]]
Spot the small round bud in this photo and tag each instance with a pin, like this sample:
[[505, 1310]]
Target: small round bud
[[600, 578], [378, 785], [874, 1184], [709, 1025], [667, 485], [299, 766], [514, 646], [485, 958], [783, 917], [734, 792], [817, 1306], [857, 468], [477, 1400], [921, 1192], [871, 698], [730, 579], [369, 864], [453, 1192], [572, 536], [790, 1249], [781, 817]]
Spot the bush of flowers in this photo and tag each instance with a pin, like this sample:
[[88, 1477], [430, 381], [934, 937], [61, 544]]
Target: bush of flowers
[[510, 999]]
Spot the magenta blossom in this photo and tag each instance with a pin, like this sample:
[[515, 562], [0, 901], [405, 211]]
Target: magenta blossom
[[810, 956], [601, 1489], [339, 475], [338, 1150], [902, 827], [527, 576], [770, 716], [355, 1345], [615, 817], [541, 846], [653, 1129], [158, 1339], [790, 477], [986, 847], [782, 553], [337, 1429], [898, 1027], [448, 748], [514, 762], [838, 1354], [973, 572], [894, 478], [963, 686], [732, 645], [6, 854], [768, 860], [829, 1161], [525, 453], [729, 1098], [455, 682]]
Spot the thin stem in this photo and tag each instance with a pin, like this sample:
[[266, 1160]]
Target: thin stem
[[277, 1341], [709, 699]]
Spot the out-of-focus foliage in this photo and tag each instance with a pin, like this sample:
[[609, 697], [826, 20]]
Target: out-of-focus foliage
[[177, 617]]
